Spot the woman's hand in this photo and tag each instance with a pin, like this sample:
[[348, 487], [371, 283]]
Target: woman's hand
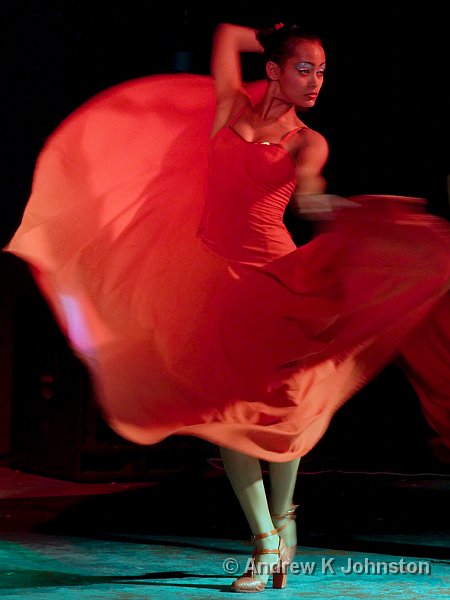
[[319, 207]]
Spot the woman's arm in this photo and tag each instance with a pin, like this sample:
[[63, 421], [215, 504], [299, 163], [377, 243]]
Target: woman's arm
[[310, 200], [312, 156], [228, 43]]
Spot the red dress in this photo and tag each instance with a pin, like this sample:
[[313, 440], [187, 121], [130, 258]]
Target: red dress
[[167, 264]]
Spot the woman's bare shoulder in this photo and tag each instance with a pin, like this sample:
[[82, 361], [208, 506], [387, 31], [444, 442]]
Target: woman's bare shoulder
[[311, 144], [307, 137]]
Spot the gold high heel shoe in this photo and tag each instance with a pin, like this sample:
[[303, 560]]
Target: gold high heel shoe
[[290, 516], [248, 582]]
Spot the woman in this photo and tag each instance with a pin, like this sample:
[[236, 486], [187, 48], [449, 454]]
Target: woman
[[295, 67], [167, 263]]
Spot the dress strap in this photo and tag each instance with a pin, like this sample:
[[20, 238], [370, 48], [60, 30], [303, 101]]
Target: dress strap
[[237, 115], [287, 136]]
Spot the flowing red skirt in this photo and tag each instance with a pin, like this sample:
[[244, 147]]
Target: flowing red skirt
[[180, 340]]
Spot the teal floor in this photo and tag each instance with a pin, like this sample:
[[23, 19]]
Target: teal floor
[[38, 566], [382, 538]]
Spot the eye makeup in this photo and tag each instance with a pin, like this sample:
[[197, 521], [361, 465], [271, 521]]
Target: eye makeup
[[308, 65]]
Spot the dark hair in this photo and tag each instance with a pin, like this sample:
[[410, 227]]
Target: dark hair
[[280, 40]]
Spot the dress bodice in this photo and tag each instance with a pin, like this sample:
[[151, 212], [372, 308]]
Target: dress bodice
[[249, 187]]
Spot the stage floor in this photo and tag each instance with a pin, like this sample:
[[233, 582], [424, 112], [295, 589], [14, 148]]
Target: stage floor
[[361, 536]]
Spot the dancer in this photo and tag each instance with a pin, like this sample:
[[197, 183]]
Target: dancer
[[295, 68], [155, 231]]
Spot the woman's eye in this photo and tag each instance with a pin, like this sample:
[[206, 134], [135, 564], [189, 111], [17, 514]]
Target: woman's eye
[[304, 71]]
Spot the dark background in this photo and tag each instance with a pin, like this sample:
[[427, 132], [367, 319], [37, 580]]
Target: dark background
[[383, 110]]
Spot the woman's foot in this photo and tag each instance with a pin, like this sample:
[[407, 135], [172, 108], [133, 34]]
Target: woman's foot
[[268, 558], [287, 529]]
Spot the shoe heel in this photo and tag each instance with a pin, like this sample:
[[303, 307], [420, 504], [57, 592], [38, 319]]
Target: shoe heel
[[279, 581]]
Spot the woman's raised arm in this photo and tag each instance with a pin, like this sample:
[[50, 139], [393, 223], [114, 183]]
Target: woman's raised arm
[[228, 43]]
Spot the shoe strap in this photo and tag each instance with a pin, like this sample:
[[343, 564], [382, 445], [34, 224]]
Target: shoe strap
[[289, 514], [260, 536], [256, 552]]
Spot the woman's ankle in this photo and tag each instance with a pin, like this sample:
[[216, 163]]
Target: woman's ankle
[[268, 542]]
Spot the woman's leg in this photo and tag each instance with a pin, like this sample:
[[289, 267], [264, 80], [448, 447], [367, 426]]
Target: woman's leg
[[245, 476], [283, 477], [244, 473]]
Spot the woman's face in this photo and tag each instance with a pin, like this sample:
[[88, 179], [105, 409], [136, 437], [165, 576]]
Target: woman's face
[[301, 75]]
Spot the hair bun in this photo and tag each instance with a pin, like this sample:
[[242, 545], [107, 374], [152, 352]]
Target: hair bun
[[279, 41]]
